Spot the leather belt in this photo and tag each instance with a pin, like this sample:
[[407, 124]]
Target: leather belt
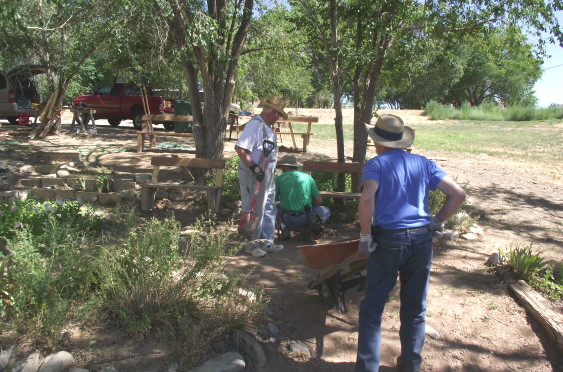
[[294, 214], [376, 229]]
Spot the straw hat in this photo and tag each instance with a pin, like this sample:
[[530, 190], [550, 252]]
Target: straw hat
[[390, 131], [277, 103], [288, 160]]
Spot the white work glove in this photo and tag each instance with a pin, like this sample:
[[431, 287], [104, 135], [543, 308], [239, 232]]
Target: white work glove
[[436, 224], [367, 245]]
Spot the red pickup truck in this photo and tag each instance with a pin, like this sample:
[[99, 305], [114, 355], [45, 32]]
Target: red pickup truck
[[119, 102]]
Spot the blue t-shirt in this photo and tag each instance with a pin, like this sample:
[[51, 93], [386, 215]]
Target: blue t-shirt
[[405, 181], [252, 139]]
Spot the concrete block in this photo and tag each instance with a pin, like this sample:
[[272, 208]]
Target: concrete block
[[120, 185], [46, 182], [86, 196], [31, 182], [109, 198], [44, 194]]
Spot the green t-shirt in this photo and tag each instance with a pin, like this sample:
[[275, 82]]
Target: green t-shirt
[[295, 190]]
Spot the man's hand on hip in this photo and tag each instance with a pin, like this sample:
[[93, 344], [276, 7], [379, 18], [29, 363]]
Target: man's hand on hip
[[367, 245], [436, 224], [257, 172]]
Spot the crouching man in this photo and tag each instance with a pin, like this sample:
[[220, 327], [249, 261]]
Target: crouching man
[[300, 201]]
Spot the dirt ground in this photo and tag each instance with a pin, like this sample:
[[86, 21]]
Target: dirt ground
[[481, 326]]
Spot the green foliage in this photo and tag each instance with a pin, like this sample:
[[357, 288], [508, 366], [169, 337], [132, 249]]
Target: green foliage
[[342, 210], [524, 262], [39, 217], [103, 182], [152, 282], [46, 267], [144, 278], [549, 282], [491, 112], [230, 192]]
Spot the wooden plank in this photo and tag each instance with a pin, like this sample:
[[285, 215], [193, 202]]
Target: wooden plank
[[339, 194], [331, 166], [177, 186], [541, 310], [299, 119], [172, 134], [188, 162], [167, 117]]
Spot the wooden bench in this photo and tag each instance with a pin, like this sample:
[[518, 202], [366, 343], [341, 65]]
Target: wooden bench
[[296, 119], [355, 169], [149, 189], [147, 128]]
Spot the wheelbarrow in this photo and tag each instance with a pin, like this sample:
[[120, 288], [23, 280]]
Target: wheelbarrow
[[342, 269]]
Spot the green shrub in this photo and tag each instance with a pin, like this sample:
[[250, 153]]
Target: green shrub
[[154, 283], [550, 282], [230, 192], [524, 262]]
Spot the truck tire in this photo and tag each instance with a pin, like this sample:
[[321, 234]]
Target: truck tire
[[169, 125], [137, 113], [114, 122]]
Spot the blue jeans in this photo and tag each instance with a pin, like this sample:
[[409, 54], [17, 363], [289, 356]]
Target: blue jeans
[[409, 255], [299, 222]]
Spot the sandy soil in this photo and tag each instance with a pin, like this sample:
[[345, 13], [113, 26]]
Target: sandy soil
[[481, 326]]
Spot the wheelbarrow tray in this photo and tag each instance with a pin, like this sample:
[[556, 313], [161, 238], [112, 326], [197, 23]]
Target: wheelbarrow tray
[[321, 255], [340, 267]]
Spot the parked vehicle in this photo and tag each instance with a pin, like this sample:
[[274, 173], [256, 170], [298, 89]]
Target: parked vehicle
[[120, 101], [18, 92]]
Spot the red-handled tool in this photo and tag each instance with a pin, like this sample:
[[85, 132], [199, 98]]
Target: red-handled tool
[[249, 221]]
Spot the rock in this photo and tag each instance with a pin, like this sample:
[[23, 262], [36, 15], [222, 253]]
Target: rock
[[142, 178], [77, 369], [247, 345], [431, 332], [26, 169], [6, 356], [470, 236], [272, 328], [494, 260], [173, 367], [476, 230], [228, 362], [450, 234], [62, 173], [109, 369], [248, 294], [267, 310], [56, 362], [31, 364], [300, 347]]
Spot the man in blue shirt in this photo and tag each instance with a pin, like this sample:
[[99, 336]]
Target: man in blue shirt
[[396, 232]]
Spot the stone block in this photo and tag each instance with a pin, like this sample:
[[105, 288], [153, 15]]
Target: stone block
[[46, 182], [86, 196], [44, 194], [31, 182], [109, 198], [45, 168], [65, 194], [120, 185]]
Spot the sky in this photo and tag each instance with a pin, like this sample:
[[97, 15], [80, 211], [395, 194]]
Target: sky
[[548, 88]]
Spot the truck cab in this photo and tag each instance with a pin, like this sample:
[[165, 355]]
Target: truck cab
[[120, 101]]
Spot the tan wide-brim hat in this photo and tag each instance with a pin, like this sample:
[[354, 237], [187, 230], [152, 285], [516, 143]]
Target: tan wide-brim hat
[[289, 160], [390, 131], [277, 103]]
